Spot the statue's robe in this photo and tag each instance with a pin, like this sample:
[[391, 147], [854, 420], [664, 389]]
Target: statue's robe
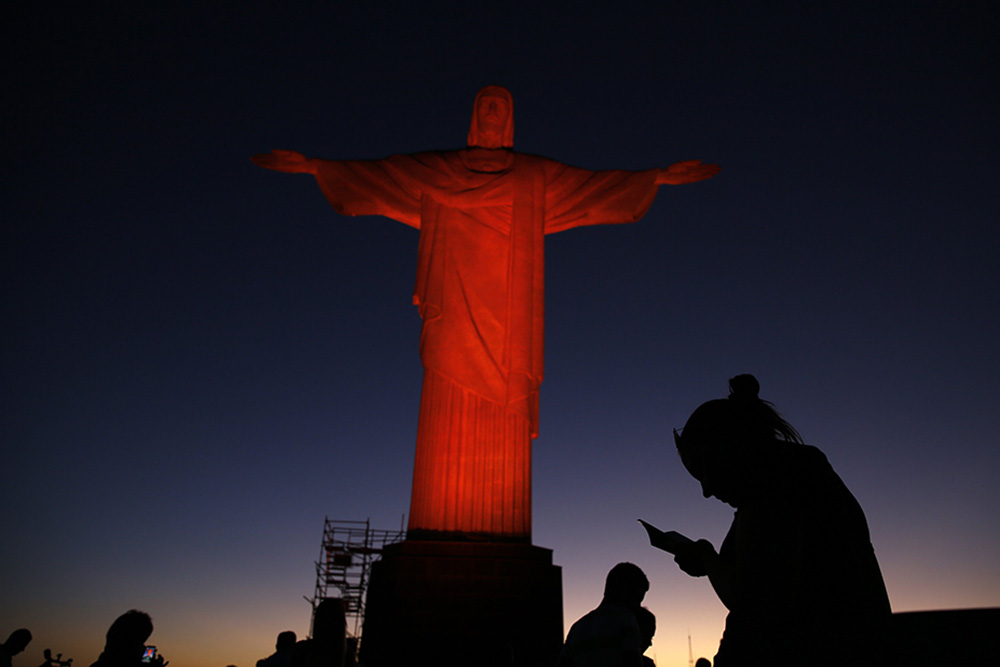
[[482, 216]]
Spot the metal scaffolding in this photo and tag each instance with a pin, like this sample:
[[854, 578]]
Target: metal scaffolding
[[349, 548]]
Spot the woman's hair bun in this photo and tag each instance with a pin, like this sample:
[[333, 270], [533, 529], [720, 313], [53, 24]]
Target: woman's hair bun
[[743, 387]]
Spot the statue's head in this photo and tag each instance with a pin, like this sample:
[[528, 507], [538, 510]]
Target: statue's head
[[493, 119]]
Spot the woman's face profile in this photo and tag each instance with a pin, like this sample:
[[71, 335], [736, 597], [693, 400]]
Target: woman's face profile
[[717, 470]]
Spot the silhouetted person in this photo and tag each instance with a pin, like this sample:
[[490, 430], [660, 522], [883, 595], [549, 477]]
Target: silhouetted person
[[797, 570], [283, 648], [351, 652], [302, 653], [16, 643], [56, 661], [703, 662], [609, 635], [125, 642], [647, 629], [329, 634]]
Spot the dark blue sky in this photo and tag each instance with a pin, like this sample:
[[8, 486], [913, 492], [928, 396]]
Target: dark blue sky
[[201, 359]]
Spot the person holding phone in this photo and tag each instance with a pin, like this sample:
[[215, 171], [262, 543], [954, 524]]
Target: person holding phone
[[125, 643], [797, 569]]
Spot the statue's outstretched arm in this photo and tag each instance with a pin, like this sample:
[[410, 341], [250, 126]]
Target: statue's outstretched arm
[[289, 162], [689, 171], [390, 187]]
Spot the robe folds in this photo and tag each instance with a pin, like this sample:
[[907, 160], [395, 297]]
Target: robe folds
[[482, 216]]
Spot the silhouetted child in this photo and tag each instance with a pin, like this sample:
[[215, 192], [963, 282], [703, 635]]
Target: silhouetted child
[[16, 643], [609, 635], [647, 628], [126, 642], [797, 570], [283, 648]]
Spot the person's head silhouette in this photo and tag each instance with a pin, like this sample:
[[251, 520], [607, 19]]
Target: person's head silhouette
[[286, 641], [17, 641], [724, 441], [126, 638], [626, 585]]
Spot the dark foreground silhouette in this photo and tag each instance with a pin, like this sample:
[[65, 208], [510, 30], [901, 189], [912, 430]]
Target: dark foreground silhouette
[[56, 661], [16, 643], [936, 638], [327, 647], [611, 634], [647, 630], [284, 646], [125, 643], [797, 570]]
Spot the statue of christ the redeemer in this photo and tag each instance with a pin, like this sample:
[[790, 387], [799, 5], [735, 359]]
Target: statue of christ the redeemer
[[483, 213]]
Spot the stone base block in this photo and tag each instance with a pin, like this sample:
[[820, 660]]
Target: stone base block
[[463, 603]]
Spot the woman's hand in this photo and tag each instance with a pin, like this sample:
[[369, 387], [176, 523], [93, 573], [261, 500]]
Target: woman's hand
[[697, 559]]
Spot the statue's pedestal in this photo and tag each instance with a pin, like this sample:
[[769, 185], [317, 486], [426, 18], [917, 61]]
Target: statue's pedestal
[[444, 603]]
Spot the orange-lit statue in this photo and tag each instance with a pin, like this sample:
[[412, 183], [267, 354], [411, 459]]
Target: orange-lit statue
[[482, 213]]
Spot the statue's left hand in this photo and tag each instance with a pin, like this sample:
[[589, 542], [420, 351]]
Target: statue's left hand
[[289, 162], [689, 171]]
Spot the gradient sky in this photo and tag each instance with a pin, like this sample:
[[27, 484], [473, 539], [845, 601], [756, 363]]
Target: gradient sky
[[202, 360]]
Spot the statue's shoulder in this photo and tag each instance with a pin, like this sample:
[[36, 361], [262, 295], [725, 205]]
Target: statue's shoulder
[[426, 161], [434, 156], [529, 159]]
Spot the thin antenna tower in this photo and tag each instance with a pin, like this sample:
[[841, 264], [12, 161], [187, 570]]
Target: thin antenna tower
[[690, 652]]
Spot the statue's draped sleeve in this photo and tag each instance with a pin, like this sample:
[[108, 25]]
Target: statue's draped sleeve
[[391, 187], [394, 187], [576, 197]]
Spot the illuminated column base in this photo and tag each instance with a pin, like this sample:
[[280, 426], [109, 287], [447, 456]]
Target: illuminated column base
[[472, 473], [462, 603]]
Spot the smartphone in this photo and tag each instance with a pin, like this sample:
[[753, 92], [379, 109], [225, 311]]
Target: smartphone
[[670, 541], [148, 654]]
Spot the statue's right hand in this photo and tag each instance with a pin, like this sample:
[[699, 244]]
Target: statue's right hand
[[290, 162]]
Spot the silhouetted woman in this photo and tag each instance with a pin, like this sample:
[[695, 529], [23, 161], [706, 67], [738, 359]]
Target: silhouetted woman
[[797, 570], [125, 642]]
